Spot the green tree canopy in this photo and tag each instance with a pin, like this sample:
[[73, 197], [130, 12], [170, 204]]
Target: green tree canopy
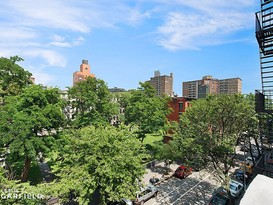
[[146, 110], [209, 130], [93, 102], [102, 160], [12, 76], [29, 123]]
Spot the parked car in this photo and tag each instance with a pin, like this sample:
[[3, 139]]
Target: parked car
[[121, 202], [239, 175], [145, 194], [219, 198], [182, 172], [236, 188], [247, 166]]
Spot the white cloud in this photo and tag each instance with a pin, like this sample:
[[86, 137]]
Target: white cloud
[[207, 23], [11, 34], [211, 5], [58, 38], [28, 25], [51, 14], [73, 15], [51, 57], [60, 42], [41, 77]]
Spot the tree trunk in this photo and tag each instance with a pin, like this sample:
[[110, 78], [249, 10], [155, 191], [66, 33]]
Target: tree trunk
[[25, 171]]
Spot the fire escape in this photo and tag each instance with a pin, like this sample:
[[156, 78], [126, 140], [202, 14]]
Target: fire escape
[[264, 97], [264, 35]]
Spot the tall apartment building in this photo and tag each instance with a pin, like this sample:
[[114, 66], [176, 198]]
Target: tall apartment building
[[163, 84], [208, 85], [83, 73], [231, 85]]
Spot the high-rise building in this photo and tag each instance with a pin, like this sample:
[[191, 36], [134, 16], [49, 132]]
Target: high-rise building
[[231, 85], [83, 73], [208, 85], [163, 84]]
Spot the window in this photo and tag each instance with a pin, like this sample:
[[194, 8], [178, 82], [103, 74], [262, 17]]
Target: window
[[180, 105]]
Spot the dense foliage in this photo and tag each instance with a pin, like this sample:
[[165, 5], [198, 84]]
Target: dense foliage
[[92, 102], [28, 124], [146, 110], [12, 76], [210, 129], [102, 162]]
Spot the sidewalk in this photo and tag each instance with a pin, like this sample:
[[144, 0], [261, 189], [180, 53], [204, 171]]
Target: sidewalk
[[160, 171]]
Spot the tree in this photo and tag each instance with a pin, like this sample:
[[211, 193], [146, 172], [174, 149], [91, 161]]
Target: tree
[[146, 110], [209, 130], [14, 192], [122, 99], [253, 131], [13, 78], [92, 102], [28, 124], [97, 160]]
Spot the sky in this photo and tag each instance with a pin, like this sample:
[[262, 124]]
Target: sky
[[125, 41]]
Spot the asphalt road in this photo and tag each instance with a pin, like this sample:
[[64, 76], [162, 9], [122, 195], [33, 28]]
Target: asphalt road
[[196, 189]]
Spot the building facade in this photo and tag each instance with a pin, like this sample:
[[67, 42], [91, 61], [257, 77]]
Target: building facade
[[83, 73], [163, 84], [209, 85], [178, 105], [231, 85]]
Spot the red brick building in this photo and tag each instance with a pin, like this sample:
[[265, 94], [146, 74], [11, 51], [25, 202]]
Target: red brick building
[[179, 105]]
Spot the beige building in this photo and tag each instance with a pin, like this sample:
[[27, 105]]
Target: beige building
[[209, 85], [163, 84], [231, 85], [190, 89]]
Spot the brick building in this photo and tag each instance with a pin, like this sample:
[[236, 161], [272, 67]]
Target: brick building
[[179, 105], [208, 85], [163, 84], [231, 85], [83, 73]]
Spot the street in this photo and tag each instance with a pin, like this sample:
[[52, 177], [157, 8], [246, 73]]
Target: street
[[195, 189]]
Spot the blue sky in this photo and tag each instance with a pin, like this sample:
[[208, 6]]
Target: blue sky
[[125, 41]]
